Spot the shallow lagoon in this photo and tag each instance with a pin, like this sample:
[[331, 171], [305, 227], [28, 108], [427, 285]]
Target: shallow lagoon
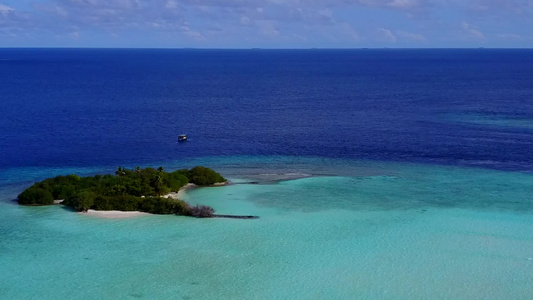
[[329, 229]]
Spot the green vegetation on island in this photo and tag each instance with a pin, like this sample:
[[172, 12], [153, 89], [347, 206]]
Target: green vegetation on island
[[127, 190]]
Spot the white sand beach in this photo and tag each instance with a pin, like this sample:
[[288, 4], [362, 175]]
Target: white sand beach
[[117, 214], [113, 214], [180, 192]]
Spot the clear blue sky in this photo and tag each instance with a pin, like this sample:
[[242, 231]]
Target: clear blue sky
[[266, 23]]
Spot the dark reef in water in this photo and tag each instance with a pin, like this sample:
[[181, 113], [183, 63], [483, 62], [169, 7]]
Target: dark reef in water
[[235, 217]]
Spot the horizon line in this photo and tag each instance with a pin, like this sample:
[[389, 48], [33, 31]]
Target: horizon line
[[260, 48]]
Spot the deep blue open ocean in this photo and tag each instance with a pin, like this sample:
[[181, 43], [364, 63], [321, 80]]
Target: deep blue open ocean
[[376, 174], [79, 107]]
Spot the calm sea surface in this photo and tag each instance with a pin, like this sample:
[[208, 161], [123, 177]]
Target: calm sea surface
[[384, 174], [108, 107]]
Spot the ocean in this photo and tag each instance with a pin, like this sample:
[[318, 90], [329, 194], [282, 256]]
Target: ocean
[[376, 173]]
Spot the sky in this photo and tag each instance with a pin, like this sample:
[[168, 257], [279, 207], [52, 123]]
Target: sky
[[267, 23]]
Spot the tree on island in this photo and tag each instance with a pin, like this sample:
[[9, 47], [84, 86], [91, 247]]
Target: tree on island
[[160, 188], [204, 176], [127, 190], [201, 211], [36, 196]]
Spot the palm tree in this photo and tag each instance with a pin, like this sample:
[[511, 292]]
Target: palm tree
[[120, 171], [159, 180]]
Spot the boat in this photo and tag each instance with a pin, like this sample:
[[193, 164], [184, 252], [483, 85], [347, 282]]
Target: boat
[[182, 138]]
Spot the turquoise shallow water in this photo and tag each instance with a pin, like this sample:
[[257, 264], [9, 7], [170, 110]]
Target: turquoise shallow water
[[335, 230], [493, 120]]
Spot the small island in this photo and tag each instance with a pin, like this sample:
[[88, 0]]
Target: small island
[[128, 190]]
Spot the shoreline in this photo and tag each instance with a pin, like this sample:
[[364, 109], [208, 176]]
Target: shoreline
[[118, 214], [113, 214], [177, 195]]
